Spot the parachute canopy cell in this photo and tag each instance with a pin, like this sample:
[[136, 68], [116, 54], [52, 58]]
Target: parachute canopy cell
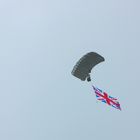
[[83, 67]]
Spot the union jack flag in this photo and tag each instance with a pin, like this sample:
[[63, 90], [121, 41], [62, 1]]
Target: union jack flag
[[104, 97]]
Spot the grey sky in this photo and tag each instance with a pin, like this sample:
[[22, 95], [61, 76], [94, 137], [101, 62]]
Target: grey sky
[[41, 42]]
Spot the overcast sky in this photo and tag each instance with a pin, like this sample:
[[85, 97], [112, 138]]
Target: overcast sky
[[40, 42]]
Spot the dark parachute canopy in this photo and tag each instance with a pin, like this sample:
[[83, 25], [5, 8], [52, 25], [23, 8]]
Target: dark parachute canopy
[[83, 67]]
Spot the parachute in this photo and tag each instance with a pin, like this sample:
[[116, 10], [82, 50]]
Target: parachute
[[83, 67]]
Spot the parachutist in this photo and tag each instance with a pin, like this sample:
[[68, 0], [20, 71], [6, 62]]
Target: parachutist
[[88, 78]]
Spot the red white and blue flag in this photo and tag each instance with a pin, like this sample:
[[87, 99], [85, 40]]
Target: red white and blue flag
[[104, 97]]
